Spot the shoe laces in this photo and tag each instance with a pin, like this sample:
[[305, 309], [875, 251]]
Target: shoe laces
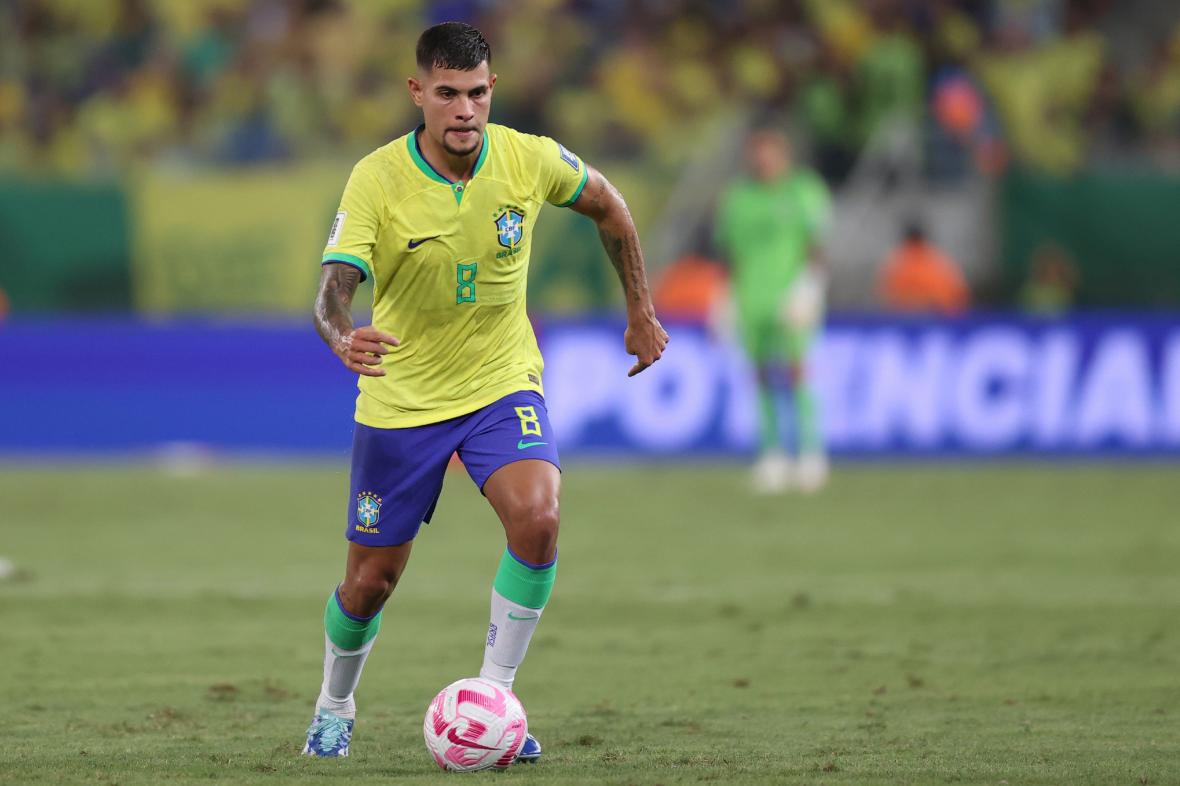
[[329, 730]]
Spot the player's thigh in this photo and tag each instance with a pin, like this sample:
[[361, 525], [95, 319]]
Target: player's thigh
[[526, 495], [397, 476], [761, 336]]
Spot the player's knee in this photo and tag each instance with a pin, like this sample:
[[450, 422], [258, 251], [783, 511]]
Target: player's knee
[[534, 525], [365, 592]]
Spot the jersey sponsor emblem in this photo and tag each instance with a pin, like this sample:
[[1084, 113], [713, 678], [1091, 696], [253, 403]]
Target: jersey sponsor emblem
[[337, 228], [521, 444], [568, 157], [510, 228], [523, 618], [368, 511]]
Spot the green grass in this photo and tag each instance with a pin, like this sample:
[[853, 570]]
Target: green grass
[[1015, 624]]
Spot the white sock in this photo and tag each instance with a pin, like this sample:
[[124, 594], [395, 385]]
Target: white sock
[[342, 672], [509, 633]]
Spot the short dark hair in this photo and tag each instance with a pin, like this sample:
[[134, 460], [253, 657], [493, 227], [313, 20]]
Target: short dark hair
[[454, 45]]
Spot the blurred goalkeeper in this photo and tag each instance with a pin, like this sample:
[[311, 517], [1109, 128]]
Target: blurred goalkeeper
[[769, 225]]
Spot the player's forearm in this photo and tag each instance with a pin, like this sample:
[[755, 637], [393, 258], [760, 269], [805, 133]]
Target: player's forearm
[[333, 305], [602, 203], [621, 242]]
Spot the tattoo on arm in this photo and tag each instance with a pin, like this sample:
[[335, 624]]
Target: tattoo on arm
[[333, 305], [619, 238], [624, 253]]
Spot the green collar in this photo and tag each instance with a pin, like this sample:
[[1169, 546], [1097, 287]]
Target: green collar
[[431, 172]]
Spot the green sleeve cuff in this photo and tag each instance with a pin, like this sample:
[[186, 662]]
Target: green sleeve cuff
[[349, 259], [581, 185]]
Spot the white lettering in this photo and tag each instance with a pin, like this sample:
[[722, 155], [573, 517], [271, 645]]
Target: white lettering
[[670, 405], [835, 371], [989, 389], [904, 396], [1170, 391], [740, 419], [1115, 402], [1053, 377], [582, 373]]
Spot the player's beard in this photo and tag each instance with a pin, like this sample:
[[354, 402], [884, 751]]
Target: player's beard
[[455, 151]]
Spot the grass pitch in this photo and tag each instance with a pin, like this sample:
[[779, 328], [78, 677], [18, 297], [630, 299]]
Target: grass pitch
[[1015, 624]]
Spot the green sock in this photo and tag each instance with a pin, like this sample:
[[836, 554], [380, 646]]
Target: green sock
[[768, 416], [807, 421], [350, 638], [525, 584], [519, 595], [347, 631]]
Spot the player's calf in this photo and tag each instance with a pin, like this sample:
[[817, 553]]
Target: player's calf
[[352, 619]]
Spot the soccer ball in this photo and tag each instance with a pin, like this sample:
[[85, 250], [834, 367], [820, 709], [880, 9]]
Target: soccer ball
[[474, 724]]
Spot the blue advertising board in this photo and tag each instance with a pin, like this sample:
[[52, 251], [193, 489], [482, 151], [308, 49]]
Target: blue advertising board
[[985, 385]]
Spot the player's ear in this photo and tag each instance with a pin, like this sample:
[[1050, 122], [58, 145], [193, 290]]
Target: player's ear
[[415, 90], [491, 82]]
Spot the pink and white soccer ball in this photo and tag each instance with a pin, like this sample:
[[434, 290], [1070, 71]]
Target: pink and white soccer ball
[[473, 724]]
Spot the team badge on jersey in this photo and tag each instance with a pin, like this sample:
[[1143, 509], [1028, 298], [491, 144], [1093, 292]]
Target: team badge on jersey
[[368, 512], [509, 228], [568, 157]]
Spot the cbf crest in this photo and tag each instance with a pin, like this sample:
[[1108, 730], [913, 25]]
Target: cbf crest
[[510, 228], [368, 512]]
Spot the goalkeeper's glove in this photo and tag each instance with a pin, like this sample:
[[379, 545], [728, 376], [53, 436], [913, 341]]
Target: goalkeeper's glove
[[803, 306]]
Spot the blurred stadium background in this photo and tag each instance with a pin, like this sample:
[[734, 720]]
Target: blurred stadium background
[[168, 173]]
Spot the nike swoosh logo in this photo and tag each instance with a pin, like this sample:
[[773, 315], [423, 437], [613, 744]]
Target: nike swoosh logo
[[522, 444], [455, 738], [415, 243], [512, 616]]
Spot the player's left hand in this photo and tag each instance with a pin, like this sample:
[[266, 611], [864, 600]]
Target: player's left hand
[[645, 339]]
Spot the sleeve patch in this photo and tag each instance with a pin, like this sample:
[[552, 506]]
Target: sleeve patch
[[337, 228], [568, 157]]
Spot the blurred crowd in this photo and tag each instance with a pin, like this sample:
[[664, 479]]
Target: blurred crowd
[[94, 86]]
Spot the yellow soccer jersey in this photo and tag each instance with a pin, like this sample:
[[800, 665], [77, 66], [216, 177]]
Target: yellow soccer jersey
[[449, 263]]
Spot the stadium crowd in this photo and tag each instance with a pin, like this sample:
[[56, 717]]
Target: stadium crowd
[[94, 86]]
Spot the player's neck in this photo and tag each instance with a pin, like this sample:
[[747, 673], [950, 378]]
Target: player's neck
[[452, 167]]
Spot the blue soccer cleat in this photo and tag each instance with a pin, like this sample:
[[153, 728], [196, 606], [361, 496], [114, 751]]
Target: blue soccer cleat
[[530, 751], [329, 735]]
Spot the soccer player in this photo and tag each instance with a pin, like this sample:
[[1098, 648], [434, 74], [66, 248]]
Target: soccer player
[[442, 219], [769, 225]]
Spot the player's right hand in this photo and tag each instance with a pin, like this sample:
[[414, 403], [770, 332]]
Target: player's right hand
[[361, 350], [646, 339]]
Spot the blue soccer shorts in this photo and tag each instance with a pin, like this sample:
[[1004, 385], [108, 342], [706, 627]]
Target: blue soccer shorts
[[397, 473]]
